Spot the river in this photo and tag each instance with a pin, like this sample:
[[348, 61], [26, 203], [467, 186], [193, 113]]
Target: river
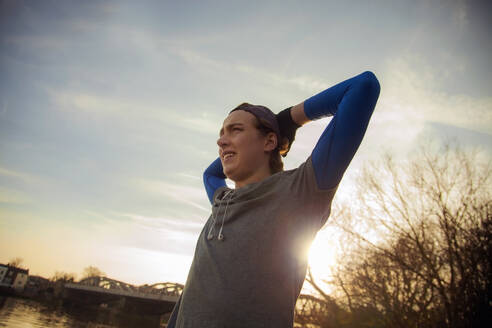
[[24, 313]]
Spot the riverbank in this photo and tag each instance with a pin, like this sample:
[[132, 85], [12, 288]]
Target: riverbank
[[22, 312], [54, 309]]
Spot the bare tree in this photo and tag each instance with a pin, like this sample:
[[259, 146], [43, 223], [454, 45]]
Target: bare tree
[[92, 271], [423, 247], [319, 310], [63, 277], [16, 262]]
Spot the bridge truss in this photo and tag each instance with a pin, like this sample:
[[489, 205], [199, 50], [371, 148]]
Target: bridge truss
[[162, 288]]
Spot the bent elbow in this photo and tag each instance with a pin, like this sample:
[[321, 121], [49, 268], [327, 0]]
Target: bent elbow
[[370, 82]]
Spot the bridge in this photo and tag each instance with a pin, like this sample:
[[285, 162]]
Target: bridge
[[104, 292], [160, 298]]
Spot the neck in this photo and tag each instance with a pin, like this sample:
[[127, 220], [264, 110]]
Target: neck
[[257, 176]]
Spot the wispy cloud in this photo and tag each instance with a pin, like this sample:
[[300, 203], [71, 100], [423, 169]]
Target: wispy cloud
[[164, 224], [199, 60], [156, 234], [132, 110], [189, 195], [413, 85], [412, 97], [193, 177], [159, 266], [11, 196], [17, 175]]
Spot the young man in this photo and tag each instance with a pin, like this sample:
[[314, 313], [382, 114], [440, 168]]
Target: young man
[[251, 256]]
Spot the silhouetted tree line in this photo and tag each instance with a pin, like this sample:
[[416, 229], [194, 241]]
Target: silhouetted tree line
[[16, 262], [417, 246], [88, 272]]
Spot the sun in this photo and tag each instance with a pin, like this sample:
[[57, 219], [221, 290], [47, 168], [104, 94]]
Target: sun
[[322, 255]]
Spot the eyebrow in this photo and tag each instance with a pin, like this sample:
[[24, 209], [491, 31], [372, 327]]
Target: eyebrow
[[229, 126]]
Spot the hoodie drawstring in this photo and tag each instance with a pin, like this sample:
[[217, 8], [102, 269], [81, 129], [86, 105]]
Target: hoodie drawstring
[[220, 236]]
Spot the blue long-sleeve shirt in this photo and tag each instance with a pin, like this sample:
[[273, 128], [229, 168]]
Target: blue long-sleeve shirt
[[351, 104]]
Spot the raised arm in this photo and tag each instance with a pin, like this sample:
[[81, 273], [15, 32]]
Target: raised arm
[[351, 104], [213, 178]]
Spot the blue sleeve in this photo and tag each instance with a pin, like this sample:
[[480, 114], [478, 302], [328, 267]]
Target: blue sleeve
[[351, 104], [213, 178]]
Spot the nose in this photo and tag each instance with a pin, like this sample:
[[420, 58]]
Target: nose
[[222, 141]]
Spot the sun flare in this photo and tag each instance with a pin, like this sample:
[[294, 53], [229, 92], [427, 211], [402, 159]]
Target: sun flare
[[322, 256]]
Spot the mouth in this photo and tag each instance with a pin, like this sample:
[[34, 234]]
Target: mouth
[[227, 155]]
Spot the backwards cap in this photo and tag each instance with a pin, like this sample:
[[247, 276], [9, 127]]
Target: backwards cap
[[261, 112]]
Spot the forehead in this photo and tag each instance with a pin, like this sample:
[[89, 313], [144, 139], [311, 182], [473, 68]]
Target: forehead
[[239, 117]]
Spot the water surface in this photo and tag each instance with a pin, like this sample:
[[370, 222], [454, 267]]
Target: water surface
[[24, 313]]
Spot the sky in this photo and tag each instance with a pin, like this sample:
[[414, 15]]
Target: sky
[[110, 111]]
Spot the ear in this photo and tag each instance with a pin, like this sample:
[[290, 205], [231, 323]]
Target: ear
[[271, 142]]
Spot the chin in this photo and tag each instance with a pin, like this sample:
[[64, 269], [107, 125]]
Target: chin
[[228, 173], [231, 175]]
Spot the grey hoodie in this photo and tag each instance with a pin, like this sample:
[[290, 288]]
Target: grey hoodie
[[253, 276]]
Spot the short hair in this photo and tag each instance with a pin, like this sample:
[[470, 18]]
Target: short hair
[[275, 162]]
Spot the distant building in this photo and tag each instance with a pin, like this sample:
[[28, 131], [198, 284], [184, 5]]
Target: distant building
[[38, 282], [13, 277], [3, 271]]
